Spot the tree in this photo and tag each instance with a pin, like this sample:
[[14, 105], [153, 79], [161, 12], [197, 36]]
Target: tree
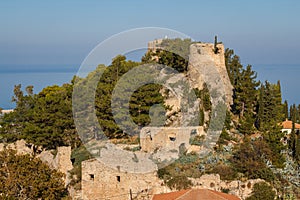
[[44, 119], [262, 191], [268, 120], [270, 107], [297, 148], [250, 157], [25, 177], [245, 100], [285, 110], [140, 103], [172, 52], [233, 66]]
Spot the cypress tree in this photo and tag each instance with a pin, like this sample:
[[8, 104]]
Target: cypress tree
[[285, 110]]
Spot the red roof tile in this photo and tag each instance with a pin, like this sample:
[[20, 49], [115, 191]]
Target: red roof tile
[[289, 125], [195, 194]]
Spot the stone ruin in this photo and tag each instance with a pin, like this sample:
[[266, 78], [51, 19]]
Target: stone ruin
[[102, 182], [168, 138]]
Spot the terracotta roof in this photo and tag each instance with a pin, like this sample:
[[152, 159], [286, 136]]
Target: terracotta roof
[[195, 194], [287, 124]]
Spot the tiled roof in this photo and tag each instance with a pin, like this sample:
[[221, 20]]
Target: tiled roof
[[289, 125], [195, 194]]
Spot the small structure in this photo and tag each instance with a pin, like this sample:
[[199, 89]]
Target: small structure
[[170, 138], [99, 181], [287, 127], [6, 111], [192, 194]]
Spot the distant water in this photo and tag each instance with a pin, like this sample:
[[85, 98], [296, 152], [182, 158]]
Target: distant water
[[289, 76], [46, 75], [39, 76]]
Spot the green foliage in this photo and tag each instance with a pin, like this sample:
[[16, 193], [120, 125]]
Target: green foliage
[[204, 97], [44, 119], [176, 174], [285, 110], [269, 107], [77, 156], [224, 138], [245, 94], [269, 116], [233, 66], [141, 102], [201, 117], [262, 191], [250, 157], [273, 139], [171, 52], [179, 183], [25, 177], [172, 60], [197, 140], [103, 96], [297, 149], [215, 45], [226, 172]]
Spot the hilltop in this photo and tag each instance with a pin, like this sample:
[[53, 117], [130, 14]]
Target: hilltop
[[230, 129]]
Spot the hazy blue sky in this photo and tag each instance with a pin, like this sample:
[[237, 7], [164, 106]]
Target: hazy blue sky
[[64, 32]]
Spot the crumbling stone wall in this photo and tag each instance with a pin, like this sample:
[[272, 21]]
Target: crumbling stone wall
[[170, 138], [241, 189], [154, 45], [206, 66], [20, 146], [102, 182]]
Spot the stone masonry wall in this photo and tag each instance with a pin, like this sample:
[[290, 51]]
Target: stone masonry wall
[[206, 66], [102, 182], [155, 138]]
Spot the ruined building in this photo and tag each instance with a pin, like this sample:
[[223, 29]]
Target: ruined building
[[107, 180]]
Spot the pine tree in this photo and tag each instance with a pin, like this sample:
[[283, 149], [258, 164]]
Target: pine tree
[[269, 117], [245, 100]]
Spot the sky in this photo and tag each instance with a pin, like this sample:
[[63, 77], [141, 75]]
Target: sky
[[63, 32]]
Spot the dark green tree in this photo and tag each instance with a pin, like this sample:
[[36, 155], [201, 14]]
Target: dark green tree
[[249, 159], [262, 191], [285, 110]]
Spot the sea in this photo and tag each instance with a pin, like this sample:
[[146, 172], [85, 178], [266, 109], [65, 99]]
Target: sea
[[41, 76]]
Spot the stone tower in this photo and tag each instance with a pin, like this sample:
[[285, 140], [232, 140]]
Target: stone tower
[[208, 66]]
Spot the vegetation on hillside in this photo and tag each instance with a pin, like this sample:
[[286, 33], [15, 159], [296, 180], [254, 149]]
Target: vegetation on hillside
[[250, 145], [25, 177]]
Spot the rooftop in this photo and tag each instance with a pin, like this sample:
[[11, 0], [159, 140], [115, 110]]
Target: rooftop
[[192, 194], [287, 124]]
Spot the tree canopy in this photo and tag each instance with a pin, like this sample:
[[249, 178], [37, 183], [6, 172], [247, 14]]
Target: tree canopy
[[25, 177]]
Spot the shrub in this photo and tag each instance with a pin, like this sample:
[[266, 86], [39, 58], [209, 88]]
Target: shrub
[[262, 191]]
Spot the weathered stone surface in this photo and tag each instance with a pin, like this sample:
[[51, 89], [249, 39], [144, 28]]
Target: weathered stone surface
[[102, 182], [20, 146], [169, 138], [207, 67], [241, 189]]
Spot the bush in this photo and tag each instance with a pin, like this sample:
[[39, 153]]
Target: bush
[[179, 183], [225, 172], [26, 177], [262, 191]]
